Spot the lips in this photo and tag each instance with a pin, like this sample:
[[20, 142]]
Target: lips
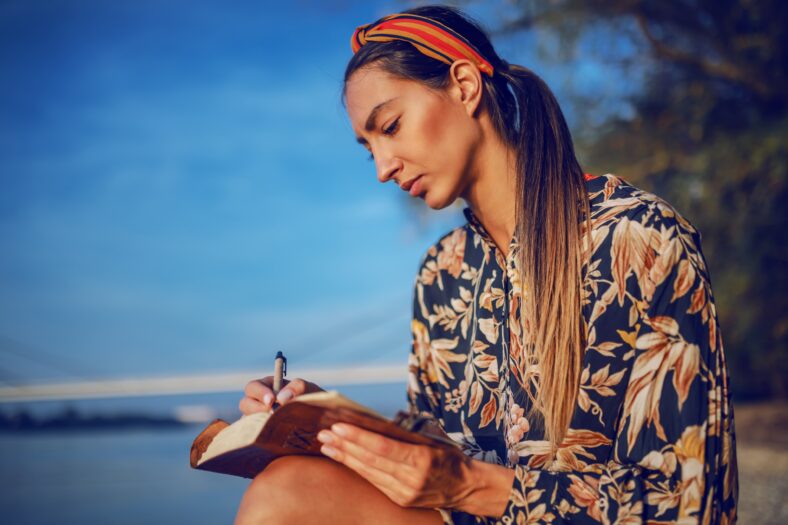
[[415, 188], [407, 184]]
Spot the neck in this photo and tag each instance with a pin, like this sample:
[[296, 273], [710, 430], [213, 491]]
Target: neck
[[491, 192]]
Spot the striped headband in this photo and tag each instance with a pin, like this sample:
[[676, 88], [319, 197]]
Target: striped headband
[[427, 35]]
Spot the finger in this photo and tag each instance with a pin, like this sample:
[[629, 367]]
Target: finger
[[247, 406], [371, 459], [375, 443], [294, 388], [260, 389], [408, 475], [384, 481]]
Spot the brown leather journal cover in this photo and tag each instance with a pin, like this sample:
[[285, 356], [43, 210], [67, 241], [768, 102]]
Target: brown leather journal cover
[[292, 429]]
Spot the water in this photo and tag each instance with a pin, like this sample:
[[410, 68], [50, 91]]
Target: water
[[125, 476]]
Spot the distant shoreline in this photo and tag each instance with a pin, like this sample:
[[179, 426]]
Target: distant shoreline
[[70, 419]]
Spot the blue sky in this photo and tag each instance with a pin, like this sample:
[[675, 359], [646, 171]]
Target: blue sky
[[181, 191]]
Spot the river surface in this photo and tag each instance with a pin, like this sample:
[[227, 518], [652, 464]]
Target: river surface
[[111, 477], [125, 477]]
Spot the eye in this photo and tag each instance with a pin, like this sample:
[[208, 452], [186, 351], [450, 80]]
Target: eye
[[389, 131], [392, 127]]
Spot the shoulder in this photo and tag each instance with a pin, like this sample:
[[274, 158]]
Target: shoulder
[[622, 208], [641, 242], [451, 241], [447, 254], [441, 268]]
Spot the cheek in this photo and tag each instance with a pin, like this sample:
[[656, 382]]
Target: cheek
[[443, 127], [447, 140]]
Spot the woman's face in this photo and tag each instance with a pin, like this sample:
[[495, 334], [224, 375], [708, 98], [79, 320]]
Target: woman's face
[[415, 134]]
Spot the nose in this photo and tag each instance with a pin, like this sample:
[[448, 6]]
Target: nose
[[387, 166]]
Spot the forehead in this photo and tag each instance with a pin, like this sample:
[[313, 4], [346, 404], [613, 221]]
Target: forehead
[[368, 87]]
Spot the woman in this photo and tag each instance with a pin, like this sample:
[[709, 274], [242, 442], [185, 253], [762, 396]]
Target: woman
[[566, 336]]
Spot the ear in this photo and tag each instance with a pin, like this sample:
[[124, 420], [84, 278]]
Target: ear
[[466, 84]]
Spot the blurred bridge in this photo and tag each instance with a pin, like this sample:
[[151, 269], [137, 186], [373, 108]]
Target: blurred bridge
[[194, 384], [86, 382]]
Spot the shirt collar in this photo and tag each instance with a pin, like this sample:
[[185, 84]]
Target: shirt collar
[[476, 225], [478, 228]]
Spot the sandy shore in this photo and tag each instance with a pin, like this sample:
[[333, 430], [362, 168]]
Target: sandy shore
[[762, 449]]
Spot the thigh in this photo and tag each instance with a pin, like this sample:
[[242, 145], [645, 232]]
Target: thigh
[[308, 489]]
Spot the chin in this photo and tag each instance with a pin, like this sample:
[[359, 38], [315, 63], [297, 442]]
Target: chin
[[436, 202]]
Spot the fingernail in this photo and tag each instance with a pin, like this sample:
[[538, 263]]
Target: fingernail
[[324, 437], [339, 430], [284, 395], [268, 399], [328, 451]]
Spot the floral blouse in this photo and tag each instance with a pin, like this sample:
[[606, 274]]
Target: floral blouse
[[652, 436]]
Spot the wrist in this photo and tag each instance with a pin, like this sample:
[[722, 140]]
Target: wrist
[[490, 487]]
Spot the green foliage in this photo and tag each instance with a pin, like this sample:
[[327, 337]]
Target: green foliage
[[709, 133]]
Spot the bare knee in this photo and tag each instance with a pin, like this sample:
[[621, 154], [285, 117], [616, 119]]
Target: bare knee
[[273, 496], [304, 489]]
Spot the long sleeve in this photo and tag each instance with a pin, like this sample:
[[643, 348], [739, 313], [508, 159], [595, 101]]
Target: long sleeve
[[422, 399], [673, 458]]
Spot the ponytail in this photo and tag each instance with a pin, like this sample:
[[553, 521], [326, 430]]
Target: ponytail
[[551, 202]]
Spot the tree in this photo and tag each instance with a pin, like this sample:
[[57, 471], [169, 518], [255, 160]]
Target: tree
[[709, 133]]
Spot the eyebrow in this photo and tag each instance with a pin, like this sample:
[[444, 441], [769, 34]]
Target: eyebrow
[[373, 116]]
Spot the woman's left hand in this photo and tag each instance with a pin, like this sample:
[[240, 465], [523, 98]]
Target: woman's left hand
[[410, 475]]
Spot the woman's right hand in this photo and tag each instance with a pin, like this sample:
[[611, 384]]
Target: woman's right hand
[[259, 394]]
